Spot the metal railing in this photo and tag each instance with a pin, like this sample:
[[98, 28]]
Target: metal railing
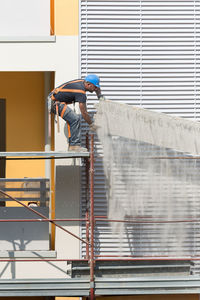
[[31, 190]]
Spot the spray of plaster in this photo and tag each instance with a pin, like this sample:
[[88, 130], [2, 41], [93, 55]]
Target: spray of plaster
[[143, 183]]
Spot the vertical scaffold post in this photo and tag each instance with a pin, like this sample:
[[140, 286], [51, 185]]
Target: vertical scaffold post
[[92, 287], [87, 192]]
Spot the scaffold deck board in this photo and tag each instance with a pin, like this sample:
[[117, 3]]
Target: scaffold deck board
[[103, 286]]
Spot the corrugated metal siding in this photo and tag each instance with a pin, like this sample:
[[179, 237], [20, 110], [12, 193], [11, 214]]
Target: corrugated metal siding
[[146, 53]]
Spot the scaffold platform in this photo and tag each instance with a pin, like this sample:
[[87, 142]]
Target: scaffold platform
[[44, 154]]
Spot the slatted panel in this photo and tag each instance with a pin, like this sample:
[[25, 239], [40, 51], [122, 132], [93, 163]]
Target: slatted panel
[[146, 53]]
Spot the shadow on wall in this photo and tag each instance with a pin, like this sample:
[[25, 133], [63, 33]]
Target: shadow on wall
[[68, 185], [23, 235]]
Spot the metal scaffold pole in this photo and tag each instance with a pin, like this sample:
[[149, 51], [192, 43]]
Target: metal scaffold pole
[[87, 192], [92, 220]]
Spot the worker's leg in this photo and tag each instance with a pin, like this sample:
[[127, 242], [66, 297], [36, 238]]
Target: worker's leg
[[73, 120]]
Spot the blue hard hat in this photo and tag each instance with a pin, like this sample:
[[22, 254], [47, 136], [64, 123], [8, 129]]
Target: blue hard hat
[[94, 79]]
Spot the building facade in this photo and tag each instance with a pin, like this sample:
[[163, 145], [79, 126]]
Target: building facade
[[146, 54]]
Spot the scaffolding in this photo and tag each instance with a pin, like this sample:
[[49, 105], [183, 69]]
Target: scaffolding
[[89, 217], [91, 262]]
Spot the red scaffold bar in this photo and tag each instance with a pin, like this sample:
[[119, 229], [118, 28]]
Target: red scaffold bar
[[143, 258], [43, 220], [173, 157], [41, 260], [87, 192], [108, 258], [92, 221], [148, 222]]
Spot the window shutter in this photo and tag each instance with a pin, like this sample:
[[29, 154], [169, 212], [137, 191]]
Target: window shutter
[[146, 54]]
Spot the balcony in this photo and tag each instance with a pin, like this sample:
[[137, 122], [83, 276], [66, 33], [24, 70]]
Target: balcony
[[34, 192]]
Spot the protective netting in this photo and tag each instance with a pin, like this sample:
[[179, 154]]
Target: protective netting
[[152, 176]]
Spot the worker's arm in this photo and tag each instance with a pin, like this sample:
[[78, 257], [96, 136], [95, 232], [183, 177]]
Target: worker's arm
[[84, 113], [99, 94]]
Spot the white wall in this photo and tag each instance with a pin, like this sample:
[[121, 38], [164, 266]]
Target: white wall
[[59, 56], [32, 17], [62, 58]]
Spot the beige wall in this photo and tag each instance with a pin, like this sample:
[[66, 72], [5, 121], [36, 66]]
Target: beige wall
[[66, 17]]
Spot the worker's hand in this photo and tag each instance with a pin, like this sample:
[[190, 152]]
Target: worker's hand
[[97, 91], [93, 127], [101, 98]]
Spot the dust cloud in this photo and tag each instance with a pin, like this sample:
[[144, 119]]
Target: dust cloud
[[148, 178]]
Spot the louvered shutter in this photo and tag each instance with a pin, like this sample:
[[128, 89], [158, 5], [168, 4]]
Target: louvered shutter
[[146, 53]]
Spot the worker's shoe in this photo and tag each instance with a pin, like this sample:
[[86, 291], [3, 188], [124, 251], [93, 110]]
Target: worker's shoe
[[77, 148]]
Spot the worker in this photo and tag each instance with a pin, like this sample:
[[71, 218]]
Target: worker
[[71, 92]]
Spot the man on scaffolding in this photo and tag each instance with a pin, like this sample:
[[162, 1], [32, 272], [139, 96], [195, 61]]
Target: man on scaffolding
[[71, 92]]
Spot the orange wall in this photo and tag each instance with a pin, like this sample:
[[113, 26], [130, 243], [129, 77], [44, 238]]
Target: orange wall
[[24, 94]]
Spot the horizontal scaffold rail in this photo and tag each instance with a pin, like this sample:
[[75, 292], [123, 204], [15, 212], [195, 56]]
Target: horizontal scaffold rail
[[104, 286], [42, 216], [42, 155]]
